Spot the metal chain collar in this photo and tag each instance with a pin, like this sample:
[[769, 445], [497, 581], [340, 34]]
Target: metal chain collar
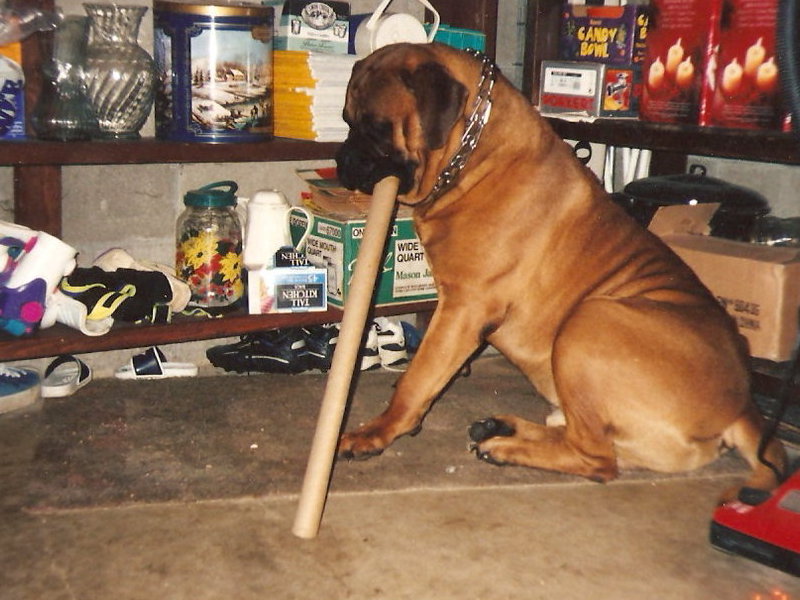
[[481, 109]]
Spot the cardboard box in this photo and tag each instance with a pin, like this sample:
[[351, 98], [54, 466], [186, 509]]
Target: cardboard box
[[591, 89], [333, 246], [676, 57], [747, 91], [339, 219], [458, 37], [12, 83], [622, 90], [613, 35], [314, 26], [758, 285], [293, 285], [571, 87]]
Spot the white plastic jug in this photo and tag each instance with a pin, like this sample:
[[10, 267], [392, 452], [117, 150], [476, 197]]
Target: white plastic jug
[[383, 29], [267, 228]]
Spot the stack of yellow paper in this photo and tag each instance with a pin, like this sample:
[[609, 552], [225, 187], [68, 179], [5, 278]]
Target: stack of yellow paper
[[309, 94]]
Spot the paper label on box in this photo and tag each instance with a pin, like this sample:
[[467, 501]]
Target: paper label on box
[[412, 274], [287, 290], [574, 82], [329, 255], [314, 26]]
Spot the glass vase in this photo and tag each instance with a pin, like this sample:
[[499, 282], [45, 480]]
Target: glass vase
[[64, 112], [119, 73]]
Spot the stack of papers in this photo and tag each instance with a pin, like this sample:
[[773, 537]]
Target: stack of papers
[[310, 89]]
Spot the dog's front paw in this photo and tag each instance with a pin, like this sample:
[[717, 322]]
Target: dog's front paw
[[359, 446]]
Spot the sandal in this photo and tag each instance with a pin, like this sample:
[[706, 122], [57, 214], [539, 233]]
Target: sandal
[[152, 364], [65, 376]]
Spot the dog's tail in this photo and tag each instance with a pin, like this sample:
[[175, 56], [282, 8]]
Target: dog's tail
[[769, 464]]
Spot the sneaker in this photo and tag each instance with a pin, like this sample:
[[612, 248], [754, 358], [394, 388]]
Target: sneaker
[[320, 344], [369, 352], [276, 351], [19, 388], [391, 342]]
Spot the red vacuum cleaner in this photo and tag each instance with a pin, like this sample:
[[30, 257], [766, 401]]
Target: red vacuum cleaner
[[768, 532], [766, 527]]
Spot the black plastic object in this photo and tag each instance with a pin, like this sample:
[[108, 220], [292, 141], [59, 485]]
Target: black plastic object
[[740, 207]]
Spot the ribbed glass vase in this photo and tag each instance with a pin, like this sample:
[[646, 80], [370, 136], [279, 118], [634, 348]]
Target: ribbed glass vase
[[119, 73]]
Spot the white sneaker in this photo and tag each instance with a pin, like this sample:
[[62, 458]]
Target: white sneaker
[[369, 353], [391, 342]]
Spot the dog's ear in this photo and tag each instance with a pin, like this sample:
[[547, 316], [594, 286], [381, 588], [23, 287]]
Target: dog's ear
[[440, 100]]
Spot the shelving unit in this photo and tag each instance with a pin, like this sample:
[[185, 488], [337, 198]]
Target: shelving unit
[[37, 174], [37, 201], [670, 143]]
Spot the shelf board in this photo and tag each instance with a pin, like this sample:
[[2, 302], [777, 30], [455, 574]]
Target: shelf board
[[150, 151], [61, 339], [710, 141]]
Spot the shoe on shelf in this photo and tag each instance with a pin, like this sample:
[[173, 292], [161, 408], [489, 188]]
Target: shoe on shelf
[[320, 344], [391, 342], [20, 387], [275, 351]]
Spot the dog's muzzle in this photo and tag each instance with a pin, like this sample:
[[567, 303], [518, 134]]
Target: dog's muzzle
[[360, 166]]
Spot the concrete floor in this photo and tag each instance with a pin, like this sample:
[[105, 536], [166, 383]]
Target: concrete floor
[[470, 538]]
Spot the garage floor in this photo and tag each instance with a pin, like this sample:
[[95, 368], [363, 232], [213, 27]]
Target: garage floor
[[188, 488]]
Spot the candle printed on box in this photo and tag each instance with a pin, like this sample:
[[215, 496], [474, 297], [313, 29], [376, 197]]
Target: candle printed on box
[[747, 90], [677, 51]]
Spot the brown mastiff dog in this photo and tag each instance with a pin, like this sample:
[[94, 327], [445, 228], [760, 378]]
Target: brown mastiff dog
[[530, 255]]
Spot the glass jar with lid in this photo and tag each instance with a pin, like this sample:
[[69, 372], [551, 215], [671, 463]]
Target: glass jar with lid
[[208, 249]]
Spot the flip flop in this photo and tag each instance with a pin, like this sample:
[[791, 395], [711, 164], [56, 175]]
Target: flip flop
[[152, 364], [65, 376]]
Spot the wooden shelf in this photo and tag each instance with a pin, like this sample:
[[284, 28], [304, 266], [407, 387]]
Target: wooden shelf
[[708, 141], [35, 153], [60, 339]]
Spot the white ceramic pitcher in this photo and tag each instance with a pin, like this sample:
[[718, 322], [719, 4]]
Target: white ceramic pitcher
[[383, 29], [267, 228]]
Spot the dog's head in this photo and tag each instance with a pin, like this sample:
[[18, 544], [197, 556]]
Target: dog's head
[[402, 102]]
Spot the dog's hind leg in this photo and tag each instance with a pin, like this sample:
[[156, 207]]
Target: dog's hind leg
[[454, 334]]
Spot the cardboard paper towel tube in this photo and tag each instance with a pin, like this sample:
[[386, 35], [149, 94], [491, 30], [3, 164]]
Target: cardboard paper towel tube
[[337, 388]]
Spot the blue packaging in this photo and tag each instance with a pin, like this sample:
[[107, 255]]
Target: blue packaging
[[12, 93]]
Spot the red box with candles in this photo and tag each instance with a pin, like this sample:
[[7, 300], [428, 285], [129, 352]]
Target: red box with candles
[[746, 92], [678, 45]]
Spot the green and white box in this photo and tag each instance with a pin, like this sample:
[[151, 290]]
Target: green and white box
[[333, 245], [313, 26]]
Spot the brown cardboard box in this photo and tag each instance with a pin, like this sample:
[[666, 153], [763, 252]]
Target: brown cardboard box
[[758, 285]]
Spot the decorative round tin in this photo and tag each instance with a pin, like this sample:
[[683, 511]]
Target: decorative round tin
[[214, 72]]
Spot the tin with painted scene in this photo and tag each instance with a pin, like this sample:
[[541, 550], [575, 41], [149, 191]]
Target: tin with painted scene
[[214, 67]]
